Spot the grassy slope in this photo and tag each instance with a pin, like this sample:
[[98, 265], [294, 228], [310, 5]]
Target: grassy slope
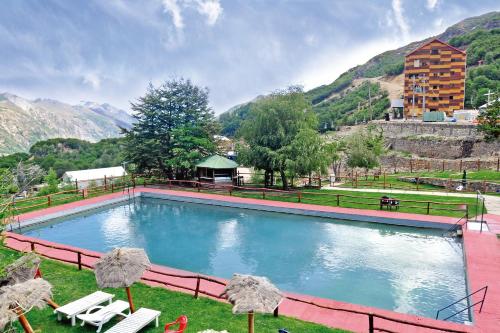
[[488, 175], [203, 313]]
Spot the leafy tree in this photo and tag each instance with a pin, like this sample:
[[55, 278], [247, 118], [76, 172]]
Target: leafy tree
[[489, 121], [52, 183], [174, 129], [273, 126], [308, 154], [364, 148]]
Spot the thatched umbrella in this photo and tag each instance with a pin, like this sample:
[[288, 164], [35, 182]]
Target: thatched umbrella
[[18, 299], [120, 268], [250, 294], [22, 269]]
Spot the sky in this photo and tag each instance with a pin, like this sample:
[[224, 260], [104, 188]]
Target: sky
[[108, 51]]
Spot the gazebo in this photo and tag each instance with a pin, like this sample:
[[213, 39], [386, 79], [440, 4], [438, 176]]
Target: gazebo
[[216, 169]]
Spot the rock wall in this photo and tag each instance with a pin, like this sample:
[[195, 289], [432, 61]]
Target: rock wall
[[395, 129], [444, 148], [394, 163]]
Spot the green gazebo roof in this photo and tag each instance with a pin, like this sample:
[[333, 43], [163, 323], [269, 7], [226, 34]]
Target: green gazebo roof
[[217, 162]]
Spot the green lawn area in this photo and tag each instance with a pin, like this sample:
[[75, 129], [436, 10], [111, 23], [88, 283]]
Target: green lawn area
[[368, 200], [391, 182], [203, 313], [488, 175]]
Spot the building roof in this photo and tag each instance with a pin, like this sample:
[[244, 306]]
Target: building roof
[[217, 162], [436, 40], [396, 103], [90, 174]]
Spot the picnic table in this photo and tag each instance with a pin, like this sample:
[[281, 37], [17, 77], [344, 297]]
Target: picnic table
[[389, 203]]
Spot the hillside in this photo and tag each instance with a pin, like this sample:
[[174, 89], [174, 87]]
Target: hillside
[[24, 122], [336, 103]]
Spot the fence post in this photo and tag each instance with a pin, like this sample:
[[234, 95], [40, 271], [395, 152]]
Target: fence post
[[319, 182], [48, 200], [460, 165], [112, 187], [263, 194], [198, 186], [411, 165], [371, 329], [79, 261], [428, 207], [32, 245], [144, 182], [338, 200], [498, 164], [276, 312], [478, 164], [299, 196], [76, 184], [197, 287], [443, 165], [105, 183], [384, 179]]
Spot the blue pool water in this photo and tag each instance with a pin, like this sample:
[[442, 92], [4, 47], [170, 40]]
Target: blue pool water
[[410, 270]]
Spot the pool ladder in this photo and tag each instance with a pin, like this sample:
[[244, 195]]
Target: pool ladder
[[470, 306]]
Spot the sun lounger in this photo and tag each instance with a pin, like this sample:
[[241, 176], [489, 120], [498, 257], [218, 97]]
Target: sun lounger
[[103, 314], [136, 321], [71, 310]]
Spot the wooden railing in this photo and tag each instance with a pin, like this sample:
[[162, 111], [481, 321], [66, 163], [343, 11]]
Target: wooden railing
[[37, 246]]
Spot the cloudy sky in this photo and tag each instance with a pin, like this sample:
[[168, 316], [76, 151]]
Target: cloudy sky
[[108, 50]]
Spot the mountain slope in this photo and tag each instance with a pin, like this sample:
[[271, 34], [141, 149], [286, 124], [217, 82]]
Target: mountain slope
[[24, 122], [337, 103]]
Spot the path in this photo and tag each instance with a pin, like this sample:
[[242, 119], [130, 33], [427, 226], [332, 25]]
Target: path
[[491, 202]]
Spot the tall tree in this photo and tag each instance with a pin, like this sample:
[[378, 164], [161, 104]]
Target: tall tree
[[365, 147], [271, 128], [174, 129], [489, 121]]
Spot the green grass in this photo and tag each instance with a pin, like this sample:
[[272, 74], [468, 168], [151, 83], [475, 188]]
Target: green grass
[[391, 182], [488, 175], [203, 313], [370, 200]]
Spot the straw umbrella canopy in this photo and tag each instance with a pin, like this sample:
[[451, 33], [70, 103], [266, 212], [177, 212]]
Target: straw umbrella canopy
[[18, 299], [22, 269], [120, 268], [250, 294]]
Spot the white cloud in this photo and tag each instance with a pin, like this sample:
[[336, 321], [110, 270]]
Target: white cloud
[[211, 9], [92, 79], [431, 4], [398, 10], [172, 7]]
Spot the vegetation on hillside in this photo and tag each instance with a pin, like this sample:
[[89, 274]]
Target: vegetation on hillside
[[489, 121], [482, 47], [231, 121], [343, 110]]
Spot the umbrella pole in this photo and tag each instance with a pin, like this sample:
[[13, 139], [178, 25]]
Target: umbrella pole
[[250, 322], [23, 321], [129, 296]]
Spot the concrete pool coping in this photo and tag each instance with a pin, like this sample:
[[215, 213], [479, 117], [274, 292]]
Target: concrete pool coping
[[482, 251]]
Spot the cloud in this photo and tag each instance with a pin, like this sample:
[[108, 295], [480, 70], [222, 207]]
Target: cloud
[[431, 4], [92, 79], [211, 9], [398, 10], [172, 7]]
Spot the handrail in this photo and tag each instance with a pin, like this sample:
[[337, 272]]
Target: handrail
[[457, 224], [198, 289], [485, 288]]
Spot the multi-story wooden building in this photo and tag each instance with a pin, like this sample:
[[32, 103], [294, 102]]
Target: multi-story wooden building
[[434, 79]]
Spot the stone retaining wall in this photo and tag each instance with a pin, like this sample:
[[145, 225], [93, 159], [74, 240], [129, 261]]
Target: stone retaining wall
[[395, 129], [452, 184]]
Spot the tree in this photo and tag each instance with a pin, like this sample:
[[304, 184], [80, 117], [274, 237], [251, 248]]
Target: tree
[[174, 129], [365, 147], [52, 183], [489, 121], [272, 128]]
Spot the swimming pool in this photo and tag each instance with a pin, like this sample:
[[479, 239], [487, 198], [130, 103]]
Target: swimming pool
[[404, 269]]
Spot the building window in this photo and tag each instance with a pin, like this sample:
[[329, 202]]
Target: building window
[[434, 87], [451, 97], [435, 62], [434, 51], [434, 98], [416, 63]]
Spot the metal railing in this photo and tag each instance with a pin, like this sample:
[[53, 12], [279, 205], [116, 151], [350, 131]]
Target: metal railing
[[470, 306], [197, 290]]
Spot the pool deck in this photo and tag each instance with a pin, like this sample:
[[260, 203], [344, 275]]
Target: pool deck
[[482, 260]]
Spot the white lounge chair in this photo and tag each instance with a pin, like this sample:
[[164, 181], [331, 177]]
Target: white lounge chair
[[136, 321], [71, 310], [103, 314]]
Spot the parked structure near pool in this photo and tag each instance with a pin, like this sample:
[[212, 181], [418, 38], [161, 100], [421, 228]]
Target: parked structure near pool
[[83, 178]]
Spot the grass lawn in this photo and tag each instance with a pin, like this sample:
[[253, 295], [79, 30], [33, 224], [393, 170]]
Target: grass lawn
[[203, 313], [488, 175], [368, 200]]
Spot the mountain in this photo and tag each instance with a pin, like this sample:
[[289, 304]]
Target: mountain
[[381, 77], [24, 122]]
